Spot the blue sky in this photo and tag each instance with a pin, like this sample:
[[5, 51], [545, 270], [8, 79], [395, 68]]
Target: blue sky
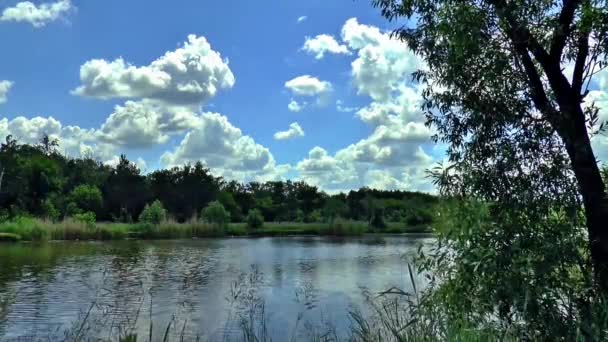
[[174, 82]]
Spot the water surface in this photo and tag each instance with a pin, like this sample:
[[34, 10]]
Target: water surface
[[299, 284]]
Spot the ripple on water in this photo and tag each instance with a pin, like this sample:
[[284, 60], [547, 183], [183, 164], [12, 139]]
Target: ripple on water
[[48, 290]]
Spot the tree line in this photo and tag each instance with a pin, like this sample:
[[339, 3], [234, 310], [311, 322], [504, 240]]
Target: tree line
[[36, 180]]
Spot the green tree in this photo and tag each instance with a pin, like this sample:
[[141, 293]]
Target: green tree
[[153, 213], [255, 220], [49, 210], [501, 94], [227, 200], [216, 213], [86, 197], [334, 208]]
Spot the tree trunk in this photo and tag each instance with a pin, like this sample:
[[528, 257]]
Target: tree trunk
[[592, 189]]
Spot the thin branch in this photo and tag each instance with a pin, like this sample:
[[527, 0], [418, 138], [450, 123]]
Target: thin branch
[[563, 29], [579, 66]]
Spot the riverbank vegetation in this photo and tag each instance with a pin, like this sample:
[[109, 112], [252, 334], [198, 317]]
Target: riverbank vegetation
[[523, 251], [45, 195]]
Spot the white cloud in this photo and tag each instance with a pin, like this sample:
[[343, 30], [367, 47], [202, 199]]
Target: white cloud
[[390, 150], [223, 148], [344, 109], [307, 85], [294, 106], [322, 44], [38, 16], [600, 98], [189, 75], [302, 18], [393, 156], [384, 64], [294, 131], [145, 123], [73, 140], [5, 87]]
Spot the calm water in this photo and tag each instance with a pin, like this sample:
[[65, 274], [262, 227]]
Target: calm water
[[304, 283]]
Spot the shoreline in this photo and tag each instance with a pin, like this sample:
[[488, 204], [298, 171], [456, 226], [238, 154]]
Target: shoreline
[[31, 230]]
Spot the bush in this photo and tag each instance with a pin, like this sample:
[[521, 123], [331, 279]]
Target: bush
[[255, 220], [216, 213], [49, 211], [378, 220], [87, 198], [153, 213], [314, 217], [87, 218], [419, 217], [27, 228]]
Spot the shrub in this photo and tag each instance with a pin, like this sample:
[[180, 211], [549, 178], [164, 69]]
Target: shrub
[[255, 220], [27, 228], [72, 209], [86, 197], [88, 218], [378, 220], [216, 213], [153, 213], [314, 216], [49, 211]]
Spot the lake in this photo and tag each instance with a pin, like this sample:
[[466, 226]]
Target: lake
[[203, 288]]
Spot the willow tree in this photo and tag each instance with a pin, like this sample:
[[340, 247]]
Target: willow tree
[[507, 82]]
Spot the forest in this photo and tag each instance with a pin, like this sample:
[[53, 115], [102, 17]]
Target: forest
[[39, 182]]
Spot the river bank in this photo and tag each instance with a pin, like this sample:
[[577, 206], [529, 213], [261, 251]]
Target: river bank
[[26, 229]]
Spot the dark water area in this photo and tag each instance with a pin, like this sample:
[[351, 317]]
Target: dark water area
[[200, 287]]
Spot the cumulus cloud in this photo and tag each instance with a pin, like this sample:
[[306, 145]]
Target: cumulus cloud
[[140, 124], [294, 131], [73, 140], [307, 85], [295, 106], [5, 87], [189, 75], [224, 148], [38, 16], [383, 64], [393, 155], [322, 44]]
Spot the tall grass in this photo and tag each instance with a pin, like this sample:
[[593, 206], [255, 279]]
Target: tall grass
[[32, 229]]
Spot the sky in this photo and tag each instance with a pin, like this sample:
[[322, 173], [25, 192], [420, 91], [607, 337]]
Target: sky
[[258, 90]]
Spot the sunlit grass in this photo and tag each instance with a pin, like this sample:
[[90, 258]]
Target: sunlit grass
[[31, 229]]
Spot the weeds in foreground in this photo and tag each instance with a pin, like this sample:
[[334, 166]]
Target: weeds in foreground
[[393, 315]]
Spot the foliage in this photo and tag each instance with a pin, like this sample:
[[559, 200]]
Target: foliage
[[84, 197], [333, 209], [49, 211], [153, 213], [88, 218], [523, 246], [216, 213], [255, 220], [500, 93], [38, 176], [27, 228], [315, 216]]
